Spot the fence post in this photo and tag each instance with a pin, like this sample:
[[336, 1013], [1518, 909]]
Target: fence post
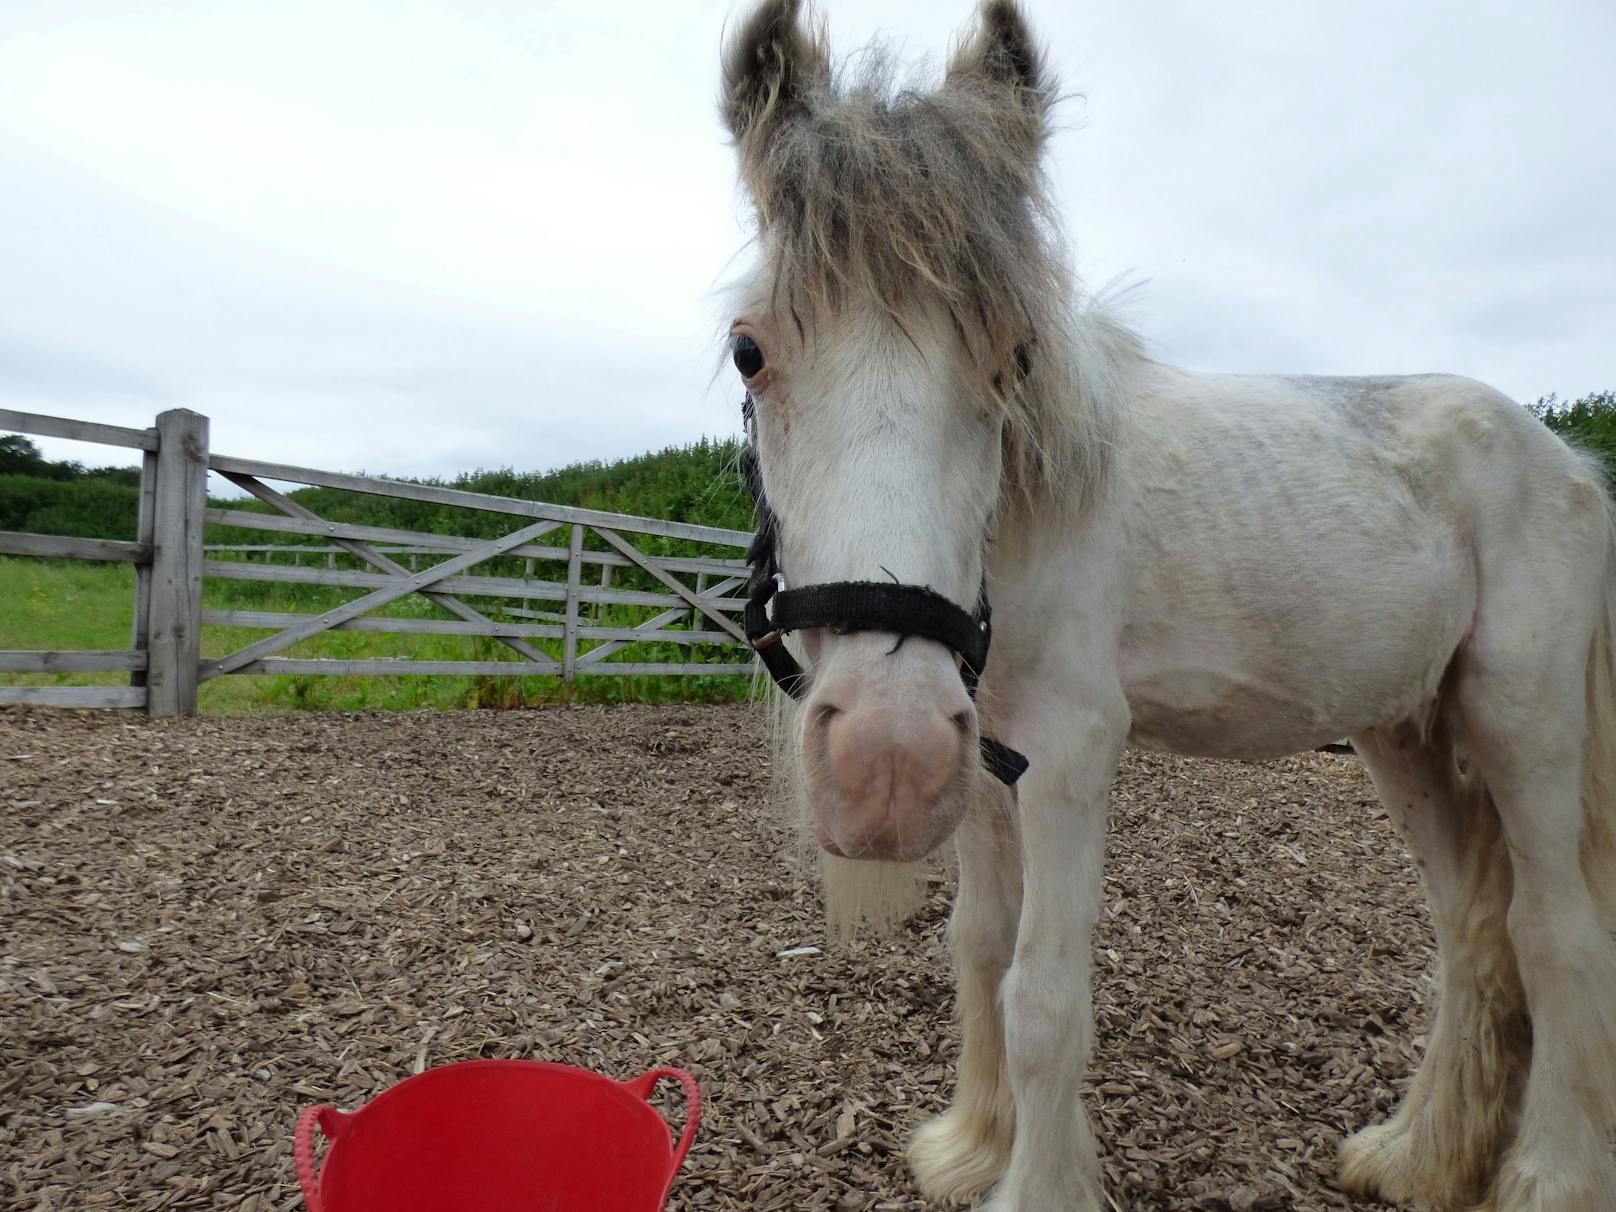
[[143, 571], [174, 615], [569, 657]]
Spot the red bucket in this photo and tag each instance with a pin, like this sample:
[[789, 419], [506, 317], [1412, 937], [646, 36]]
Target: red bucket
[[498, 1136]]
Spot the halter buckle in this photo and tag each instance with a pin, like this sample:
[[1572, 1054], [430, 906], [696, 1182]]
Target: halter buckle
[[766, 641]]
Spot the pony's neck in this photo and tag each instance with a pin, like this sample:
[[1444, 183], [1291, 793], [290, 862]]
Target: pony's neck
[[1059, 450]]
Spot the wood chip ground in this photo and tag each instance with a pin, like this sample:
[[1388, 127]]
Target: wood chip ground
[[208, 924]]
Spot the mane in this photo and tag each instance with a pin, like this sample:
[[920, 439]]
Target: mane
[[875, 188]]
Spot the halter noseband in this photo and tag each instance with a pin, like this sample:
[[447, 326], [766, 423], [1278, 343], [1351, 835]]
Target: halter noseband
[[847, 606]]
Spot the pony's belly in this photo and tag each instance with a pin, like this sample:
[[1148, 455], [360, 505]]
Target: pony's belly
[[1187, 700], [1207, 717]]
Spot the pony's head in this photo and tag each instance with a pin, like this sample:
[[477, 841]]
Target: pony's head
[[907, 343]]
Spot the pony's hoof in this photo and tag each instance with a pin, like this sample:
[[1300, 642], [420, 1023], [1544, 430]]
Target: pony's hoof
[[955, 1160], [1382, 1163], [1069, 1191], [1555, 1185]]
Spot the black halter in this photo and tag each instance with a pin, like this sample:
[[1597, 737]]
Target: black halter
[[846, 606]]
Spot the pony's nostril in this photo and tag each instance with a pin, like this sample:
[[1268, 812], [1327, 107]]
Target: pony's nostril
[[825, 714], [962, 721]]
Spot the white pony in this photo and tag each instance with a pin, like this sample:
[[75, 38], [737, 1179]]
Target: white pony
[[1229, 566]]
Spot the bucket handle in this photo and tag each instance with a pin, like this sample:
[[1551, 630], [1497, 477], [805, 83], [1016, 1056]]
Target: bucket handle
[[643, 1085], [332, 1123]]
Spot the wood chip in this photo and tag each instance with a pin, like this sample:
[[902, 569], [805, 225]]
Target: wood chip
[[324, 903]]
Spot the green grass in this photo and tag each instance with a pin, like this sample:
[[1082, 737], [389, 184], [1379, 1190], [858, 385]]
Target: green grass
[[67, 605]]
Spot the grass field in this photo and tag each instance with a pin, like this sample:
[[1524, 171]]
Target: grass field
[[66, 605]]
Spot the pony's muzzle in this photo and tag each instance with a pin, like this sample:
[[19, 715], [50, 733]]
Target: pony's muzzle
[[886, 762]]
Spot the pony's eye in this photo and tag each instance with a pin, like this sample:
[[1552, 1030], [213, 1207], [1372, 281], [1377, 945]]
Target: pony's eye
[[748, 357]]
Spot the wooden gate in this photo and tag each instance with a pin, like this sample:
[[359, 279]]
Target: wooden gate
[[686, 599]]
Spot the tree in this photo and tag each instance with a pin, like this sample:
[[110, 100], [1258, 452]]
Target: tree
[[19, 456], [1588, 423]]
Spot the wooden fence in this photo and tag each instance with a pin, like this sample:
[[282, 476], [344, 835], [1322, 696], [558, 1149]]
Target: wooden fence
[[686, 599]]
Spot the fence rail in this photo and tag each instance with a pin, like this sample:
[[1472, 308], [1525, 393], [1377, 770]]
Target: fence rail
[[691, 594]]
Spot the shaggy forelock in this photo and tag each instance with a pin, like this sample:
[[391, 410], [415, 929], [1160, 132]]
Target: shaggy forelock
[[898, 192], [872, 188]]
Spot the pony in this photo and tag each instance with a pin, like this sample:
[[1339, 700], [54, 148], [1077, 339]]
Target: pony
[[1228, 566]]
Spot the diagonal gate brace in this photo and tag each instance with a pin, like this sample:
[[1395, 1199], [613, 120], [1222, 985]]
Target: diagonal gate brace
[[679, 587], [406, 584], [652, 627], [377, 560]]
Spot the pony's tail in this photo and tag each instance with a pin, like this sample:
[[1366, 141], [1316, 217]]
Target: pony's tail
[[1599, 751]]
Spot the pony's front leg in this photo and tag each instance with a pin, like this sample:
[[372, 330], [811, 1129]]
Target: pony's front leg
[[1048, 1001], [964, 1151]]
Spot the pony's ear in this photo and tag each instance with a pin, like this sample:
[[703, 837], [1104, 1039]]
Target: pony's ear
[[1002, 51], [769, 64]]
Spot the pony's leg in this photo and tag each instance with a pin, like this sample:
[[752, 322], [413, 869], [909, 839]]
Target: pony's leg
[[964, 1151], [1048, 1005], [1524, 698], [1561, 1160], [1442, 1148]]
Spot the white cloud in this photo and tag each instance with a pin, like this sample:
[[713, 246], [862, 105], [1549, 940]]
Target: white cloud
[[1353, 188], [432, 236]]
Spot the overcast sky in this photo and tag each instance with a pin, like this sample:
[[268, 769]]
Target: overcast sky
[[426, 236]]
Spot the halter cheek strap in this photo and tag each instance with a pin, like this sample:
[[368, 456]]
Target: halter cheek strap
[[848, 606]]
